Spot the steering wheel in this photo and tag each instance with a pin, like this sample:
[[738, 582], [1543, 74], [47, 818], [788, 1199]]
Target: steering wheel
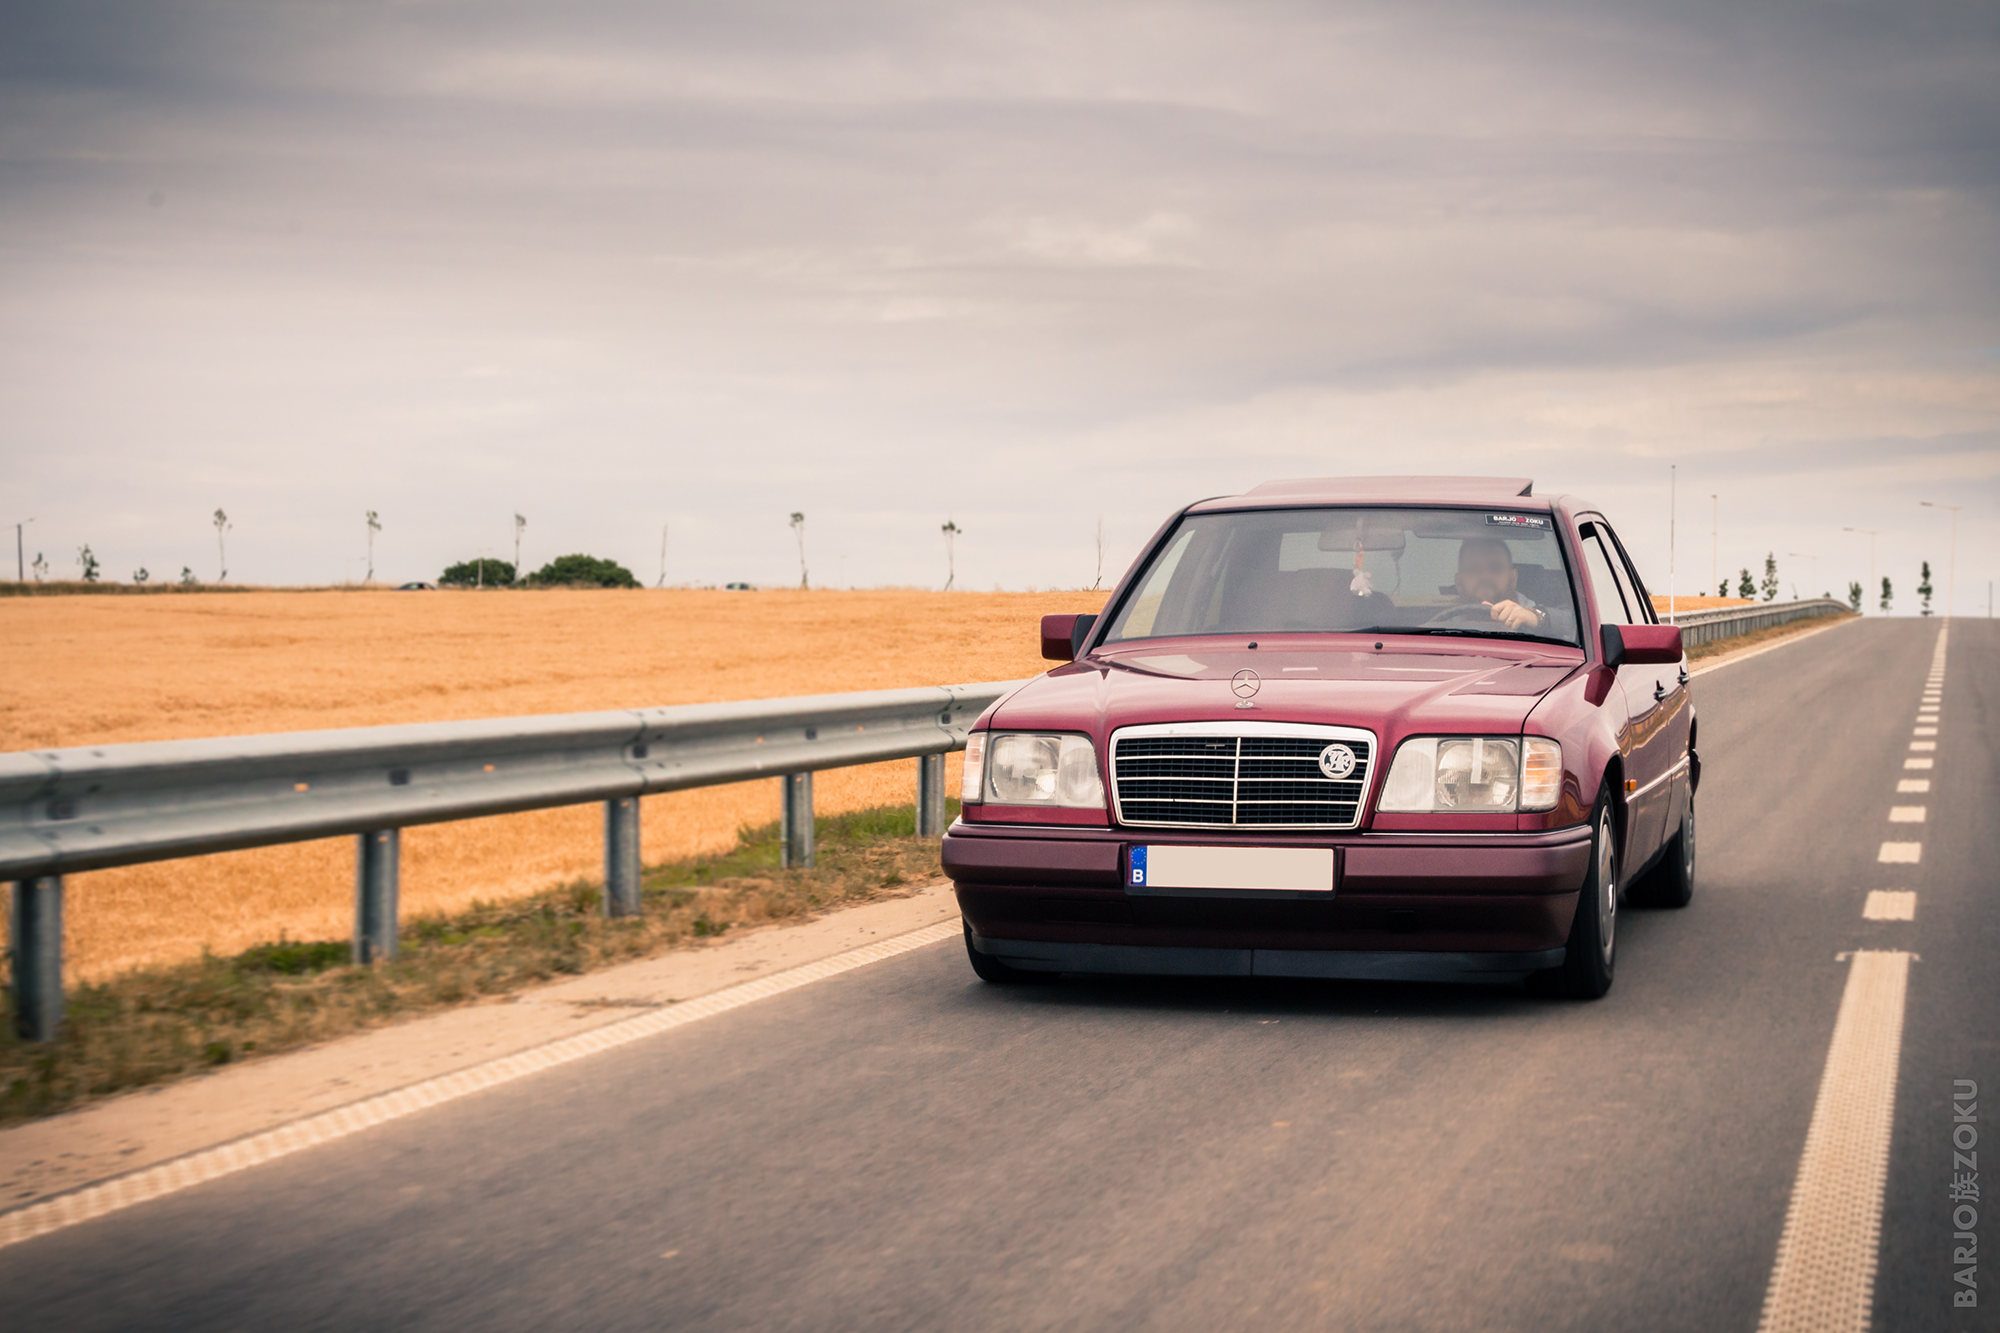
[[1464, 611]]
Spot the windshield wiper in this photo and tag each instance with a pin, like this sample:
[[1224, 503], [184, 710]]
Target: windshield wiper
[[1461, 633]]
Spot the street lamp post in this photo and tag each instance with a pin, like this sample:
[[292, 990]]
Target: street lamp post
[[1951, 570], [1673, 471], [20, 553], [1801, 555], [1873, 533], [1714, 540]]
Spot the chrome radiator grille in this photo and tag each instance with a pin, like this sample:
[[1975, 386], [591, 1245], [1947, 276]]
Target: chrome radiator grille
[[1220, 780]]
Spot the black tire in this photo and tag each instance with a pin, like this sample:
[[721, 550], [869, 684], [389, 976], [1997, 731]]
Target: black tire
[[1591, 952], [1670, 883], [995, 972]]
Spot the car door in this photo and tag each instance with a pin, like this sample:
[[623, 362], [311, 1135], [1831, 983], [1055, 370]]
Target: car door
[[1617, 604], [1669, 725]]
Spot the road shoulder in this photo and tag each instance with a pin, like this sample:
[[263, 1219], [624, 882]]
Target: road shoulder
[[137, 1130]]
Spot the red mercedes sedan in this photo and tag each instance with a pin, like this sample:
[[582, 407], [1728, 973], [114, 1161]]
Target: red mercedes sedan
[[1389, 727]]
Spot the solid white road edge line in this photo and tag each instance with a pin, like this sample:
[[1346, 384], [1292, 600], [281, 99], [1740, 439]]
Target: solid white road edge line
[[84, 1205], [1824, 1277]]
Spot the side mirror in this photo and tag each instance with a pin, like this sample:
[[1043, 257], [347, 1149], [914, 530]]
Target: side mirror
[[1063, 635], [1641, 645]]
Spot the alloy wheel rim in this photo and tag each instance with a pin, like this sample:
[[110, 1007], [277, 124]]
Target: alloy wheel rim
[[1687, 843], [1607, 890]]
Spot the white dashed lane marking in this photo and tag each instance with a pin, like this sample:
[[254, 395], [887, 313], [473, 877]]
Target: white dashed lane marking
[[1922, 746], [1824, 1279], [1890, 905], [1914, 784], [1900, 853], [1906, 814], [1917, 763]]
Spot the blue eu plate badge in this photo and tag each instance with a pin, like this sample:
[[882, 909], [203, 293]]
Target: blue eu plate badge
[[1139, 866]]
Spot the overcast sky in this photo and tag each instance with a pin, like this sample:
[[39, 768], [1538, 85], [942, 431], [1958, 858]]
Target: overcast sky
[[620, 265]]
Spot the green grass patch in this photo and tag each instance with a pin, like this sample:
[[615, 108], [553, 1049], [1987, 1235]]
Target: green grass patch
[[157, 1024]]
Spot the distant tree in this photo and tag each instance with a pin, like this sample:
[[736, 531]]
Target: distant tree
[[1744, 587], [374, 526], [951, 531], [222, 525], [1770, 584], [1854, 597], [188, 580], [584, 571], [41, 567], [86, 562], [799, 529], [140, 575], [1887, 594], [1722, 588], [478, 573], [1924, 589]]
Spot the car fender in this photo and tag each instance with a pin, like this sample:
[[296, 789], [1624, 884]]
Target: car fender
[[1586, 715]]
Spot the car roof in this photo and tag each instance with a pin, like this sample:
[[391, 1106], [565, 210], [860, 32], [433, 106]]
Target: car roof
[[1508, 491]]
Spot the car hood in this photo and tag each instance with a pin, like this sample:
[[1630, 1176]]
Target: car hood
[[1393, 692]]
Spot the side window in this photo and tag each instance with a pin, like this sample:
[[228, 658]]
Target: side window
[[1628, 578], [1603, 582]]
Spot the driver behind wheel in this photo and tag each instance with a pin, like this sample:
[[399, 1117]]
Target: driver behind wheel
[[1487, 577]]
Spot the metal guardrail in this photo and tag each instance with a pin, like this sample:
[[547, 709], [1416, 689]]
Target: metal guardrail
[[1724, 622], [90, 807]]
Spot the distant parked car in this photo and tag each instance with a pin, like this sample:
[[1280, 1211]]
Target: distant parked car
[[1243, 690], [416, 587], [737, 587]]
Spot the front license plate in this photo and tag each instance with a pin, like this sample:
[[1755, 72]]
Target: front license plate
[[1284, 869]]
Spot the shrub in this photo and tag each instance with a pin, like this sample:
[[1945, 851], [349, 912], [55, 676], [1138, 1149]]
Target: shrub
[[582, 571], [477, 574]]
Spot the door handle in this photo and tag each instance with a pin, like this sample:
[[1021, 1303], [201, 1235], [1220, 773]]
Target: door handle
[[1659, 690]]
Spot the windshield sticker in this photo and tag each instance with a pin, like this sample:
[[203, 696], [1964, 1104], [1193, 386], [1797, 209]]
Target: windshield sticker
[[1516, 521]]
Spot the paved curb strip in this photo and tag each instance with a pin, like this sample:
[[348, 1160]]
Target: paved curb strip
[[1824, 1279], [211, 1164]]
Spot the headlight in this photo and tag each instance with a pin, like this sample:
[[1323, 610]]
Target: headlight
[[1541, 773], [1014, 768], [1485, 774], [974, 776]]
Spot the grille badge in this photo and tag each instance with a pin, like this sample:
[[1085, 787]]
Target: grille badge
[[1336, 761]]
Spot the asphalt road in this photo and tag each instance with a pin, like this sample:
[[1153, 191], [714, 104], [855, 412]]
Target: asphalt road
[[903, 1147]]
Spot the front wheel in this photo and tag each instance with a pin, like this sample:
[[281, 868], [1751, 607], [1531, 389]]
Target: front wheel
[[1670, 883], [1592, 949]]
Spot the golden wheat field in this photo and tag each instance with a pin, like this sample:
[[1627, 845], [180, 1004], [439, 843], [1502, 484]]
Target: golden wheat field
[[99, 670]]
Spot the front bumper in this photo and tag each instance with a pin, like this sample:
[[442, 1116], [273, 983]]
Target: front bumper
[[1343, 964], [1475, 903]]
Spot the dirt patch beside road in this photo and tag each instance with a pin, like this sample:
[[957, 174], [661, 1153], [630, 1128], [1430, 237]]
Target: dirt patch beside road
[[93, 670]]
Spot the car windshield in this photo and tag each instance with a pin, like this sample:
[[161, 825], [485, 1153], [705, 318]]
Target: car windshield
[[1356, 570]]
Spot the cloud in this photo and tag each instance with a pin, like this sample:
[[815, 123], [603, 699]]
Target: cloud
[[622, 264]]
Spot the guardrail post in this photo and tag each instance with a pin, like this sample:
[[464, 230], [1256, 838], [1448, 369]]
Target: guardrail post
[[930, 796], [376, 857], [795, 824], [621, 856], [36, 941]]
